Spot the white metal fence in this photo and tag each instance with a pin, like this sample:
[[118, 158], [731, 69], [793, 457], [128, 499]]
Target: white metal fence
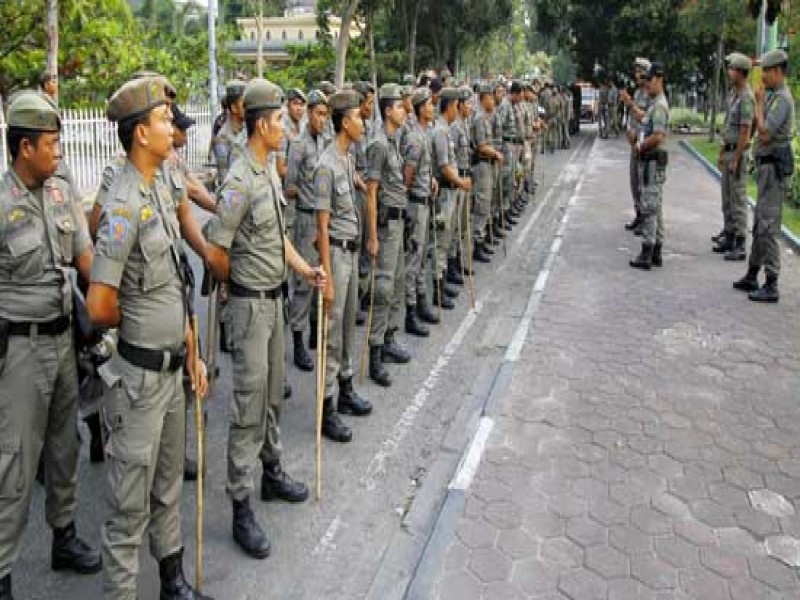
[[89, 141]]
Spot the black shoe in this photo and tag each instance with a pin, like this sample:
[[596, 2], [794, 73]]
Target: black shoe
[[301, 358], [724, 245], [479, 253], [453, 274], [748, 283], [441, 301], [425, 312], [719, 237], [638, 231], [70, 553], [645, 258], [247, 532], [413, 325], [312, 337], [498, 232], [487, 248], [633, 224], [767, 292], [173, 583], [657, 261], [333, 427], [361, 316], [738, 252], [287, 391], [392, 351], [449, 290], [5, 588], [96, 451], [465, 270], [507, 225], [350, 403], [377, 372], [189, 469], [510, 220], [276, 484]]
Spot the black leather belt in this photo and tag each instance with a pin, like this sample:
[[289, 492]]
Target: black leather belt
[[239, 291], [152, 360], [766, 160], [308, 211], [418, 199], [346, 245], [51, 328], [393, 213]]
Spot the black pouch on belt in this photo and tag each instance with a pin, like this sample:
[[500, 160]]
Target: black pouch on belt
[[4, 328], [784, 161], [662, 159]]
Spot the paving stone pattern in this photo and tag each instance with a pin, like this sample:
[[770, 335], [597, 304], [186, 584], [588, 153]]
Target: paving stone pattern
[[649, 445]]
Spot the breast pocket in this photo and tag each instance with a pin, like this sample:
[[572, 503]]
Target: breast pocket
[[155, 246], [25, 254], [263, 216]]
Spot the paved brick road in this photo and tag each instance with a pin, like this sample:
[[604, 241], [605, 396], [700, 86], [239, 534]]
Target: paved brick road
[[649, 445]]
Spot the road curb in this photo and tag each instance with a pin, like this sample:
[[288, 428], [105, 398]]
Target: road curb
[[790, 238]]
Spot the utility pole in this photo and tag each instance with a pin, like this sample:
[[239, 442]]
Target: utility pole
[[212, 54]]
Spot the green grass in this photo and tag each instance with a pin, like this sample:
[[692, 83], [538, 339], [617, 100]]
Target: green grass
[[710, 150]]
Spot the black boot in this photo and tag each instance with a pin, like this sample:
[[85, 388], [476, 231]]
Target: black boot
[[287, 391], [350, 403], [425, 312], [479, 253], [333, 427], [276, 484], [5, 588], [748, 283], [70, 553], [173, 583], [413, 325], [96, 451], [487, 247], [767, 292], [725, 244], [510, 220], [450, 291], [657, 261], [392, 351], [377, 372], [454, 275], [498, 232], [189, 469], [738, 252], [247, 532], [645, 258], [301, 358], [634, 223], [719, 237], [441, 300], [361, 316]]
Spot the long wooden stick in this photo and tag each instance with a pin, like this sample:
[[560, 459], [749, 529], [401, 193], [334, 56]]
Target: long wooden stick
[[321, 344], [198, 422], [365, 349]]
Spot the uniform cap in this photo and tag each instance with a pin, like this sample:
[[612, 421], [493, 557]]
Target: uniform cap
[[261, 94], [406, 91], [737, 60], [450, 93], [390, 91], [486, 88], [656, 70], [466, 92], [316, 97], [234, 90], [294, 94], [180, 119], [344, 100], [31, 111], [420, 95], [137, 97], [773, 58]]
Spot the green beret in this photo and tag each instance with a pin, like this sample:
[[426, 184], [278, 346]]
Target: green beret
[[737, 60], [137, 97], [234, 90], [390, 91], [261, 94], [450, 93], [31, 111], [316, 97], [773, 58], [344, 100], [420, 95]]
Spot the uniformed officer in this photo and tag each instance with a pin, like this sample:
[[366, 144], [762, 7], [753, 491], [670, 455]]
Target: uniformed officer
[[136, 285], [613, 105], [485, 155], [637, 109], [450, 184], [545, 100], [461, 132], [513, 126], [366, 107], [387, 197], [303, 157], [499, 168], [418, 177], [732, 159], [249, 249], [775, 119], [652, 159], [43, 234], [602, 105], [338, 240], [231, 139]]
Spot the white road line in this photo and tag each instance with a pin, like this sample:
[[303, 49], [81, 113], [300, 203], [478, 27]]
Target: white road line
[[326, 543], [377, 466], [469, 463]]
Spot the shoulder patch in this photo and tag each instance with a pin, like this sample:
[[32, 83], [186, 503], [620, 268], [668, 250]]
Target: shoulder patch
[[119, 229], [231, 199]]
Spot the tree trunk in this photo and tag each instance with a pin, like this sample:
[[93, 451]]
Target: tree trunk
[[260, 36], [52, 37], [348, 10], [715, 95], [370, 32], [412, 42]]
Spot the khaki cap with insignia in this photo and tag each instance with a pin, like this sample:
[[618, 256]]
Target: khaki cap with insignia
[[486, 88], [261, 94], [390, 91], [137, 97], [737, 60], [30, 111], [406, 91], [420, 95], [773, 58], [450, 93], [344, 100], [327, 87]]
